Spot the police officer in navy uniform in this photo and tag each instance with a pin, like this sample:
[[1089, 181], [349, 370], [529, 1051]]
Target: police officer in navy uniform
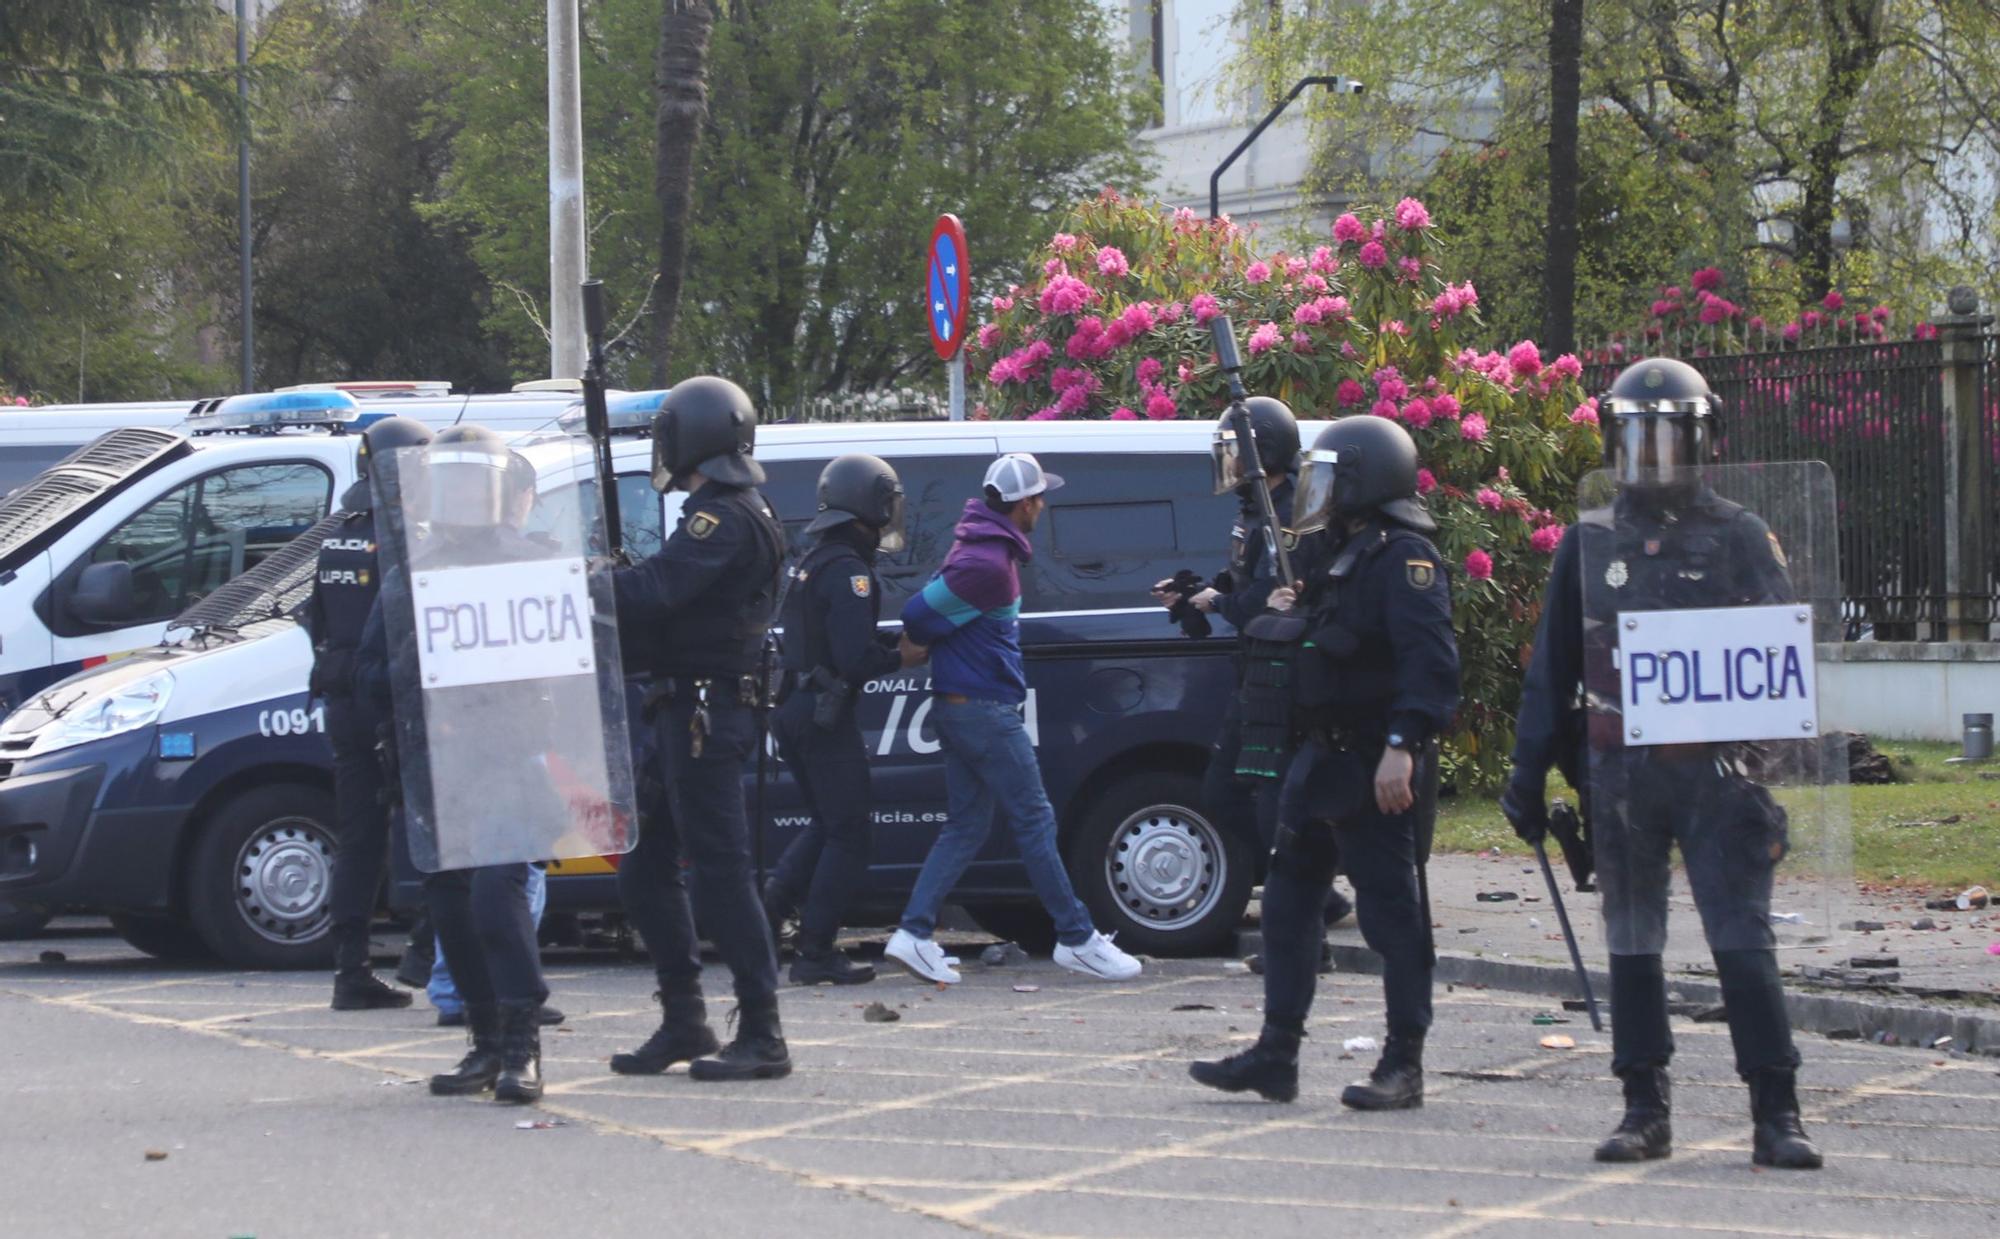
[[694, 617], [831, 650], [1671, 544], [343, 591], [1374, 675]]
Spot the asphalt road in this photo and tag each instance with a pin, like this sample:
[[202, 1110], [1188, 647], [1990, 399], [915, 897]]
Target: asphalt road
[[1062, 1110]]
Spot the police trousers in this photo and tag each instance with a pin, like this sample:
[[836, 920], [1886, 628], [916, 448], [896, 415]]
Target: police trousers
[[1327, 817], [827, 865], [483, 923], [694, 826], [360, 827], [1245, 807]]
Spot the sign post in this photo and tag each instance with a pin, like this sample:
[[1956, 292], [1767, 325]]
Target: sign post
[[948, 292]]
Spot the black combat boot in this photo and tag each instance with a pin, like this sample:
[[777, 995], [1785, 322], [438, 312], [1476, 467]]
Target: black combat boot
[[359, 989], [829, 968], [1270, 1068], [1646, 1132], [520, 1079], [475, 1072], [1780, 1139], [757, 1053], [682, 1037], [1397, 1083]]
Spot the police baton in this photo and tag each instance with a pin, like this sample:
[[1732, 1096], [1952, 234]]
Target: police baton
[[1569, 935], [596, 418], [1246, 440]]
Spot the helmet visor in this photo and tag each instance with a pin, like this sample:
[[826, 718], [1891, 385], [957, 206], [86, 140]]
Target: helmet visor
[[1312, 501], [1649, 444], [1230, 470], [468, 487], [892, 536]]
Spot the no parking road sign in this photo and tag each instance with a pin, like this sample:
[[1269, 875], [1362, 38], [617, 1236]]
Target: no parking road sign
[[949, 286]]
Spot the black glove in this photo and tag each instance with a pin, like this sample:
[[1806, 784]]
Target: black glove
[[1527, 811]]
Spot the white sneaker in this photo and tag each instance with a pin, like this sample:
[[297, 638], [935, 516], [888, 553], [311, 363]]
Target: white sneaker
[[922, 957], [1099, 957]]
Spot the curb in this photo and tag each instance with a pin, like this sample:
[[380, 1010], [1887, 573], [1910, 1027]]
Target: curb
[[1840, 1017]]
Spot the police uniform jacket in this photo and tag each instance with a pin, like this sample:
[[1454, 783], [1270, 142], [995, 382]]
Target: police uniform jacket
[[1253, 568], [1379, 655], [1703, 552], [832, 610], [701, 605], [344, 588]]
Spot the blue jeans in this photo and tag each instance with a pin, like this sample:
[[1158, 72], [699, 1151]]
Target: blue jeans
[[442, 991], [989, 768]]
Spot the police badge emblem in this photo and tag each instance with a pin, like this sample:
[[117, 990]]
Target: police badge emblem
[[1615, 576], [702, 524], [860, 585], [1421, 573]]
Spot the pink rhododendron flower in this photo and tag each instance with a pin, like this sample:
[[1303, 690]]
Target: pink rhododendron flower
[[1374, 256], [1045, 415], [1585, 414], [1389, 384], [1062, 243], [1383, 408], [1053, 266], [1924, 331], [1150, 370], [1472, 428], [1524, 358], [1347, 229], [1333, 309], [1833, 300], [1812, 318], [1074, 400], [1347, 349], [1411, 215], [1186, 373], [1111, 262], [1714, 310], [1349, 393], [1066, 377], [1566, 367], [1756, 322], [1160, 407], [1313, 283], [1186, 220], [1002, 304], [1444, 405], [1379, 230], [1412, 269], [1418, 412], [1673, 292], [1706, 280], [1880, 313], [1265, 338], [1172, 311], [1489, 499], [1205, 307], [1257, 272], [1123, 414], [1791, 333], [1065, 295], [1663, 308], [1323, 261], [1307, 314], [1005, 370], [1546, 539], [1301, 342], [1479, 565], [1294, 268], [1117, 335], [989, 335], [1426, 481], [1138, 318]]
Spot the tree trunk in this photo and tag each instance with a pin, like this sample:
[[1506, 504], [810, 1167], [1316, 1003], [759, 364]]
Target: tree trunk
[[1853, 47], [1565, 97], [680, 86]]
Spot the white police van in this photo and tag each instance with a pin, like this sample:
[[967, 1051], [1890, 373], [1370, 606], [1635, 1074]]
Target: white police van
[[190, 796]]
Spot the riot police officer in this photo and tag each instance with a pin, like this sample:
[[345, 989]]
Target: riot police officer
[[831, 607], [1364, 648], [344, 588], [1669, 542], [694, 616]]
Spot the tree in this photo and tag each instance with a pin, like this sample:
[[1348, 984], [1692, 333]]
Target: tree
[[682, 87], [1565, 87]]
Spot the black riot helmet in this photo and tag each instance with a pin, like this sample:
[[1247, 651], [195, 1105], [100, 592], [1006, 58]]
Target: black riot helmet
[[1659, 421], [708, 424], [863, 489], [1277, 435], [468, 477], [1358, 465], [388, 435]]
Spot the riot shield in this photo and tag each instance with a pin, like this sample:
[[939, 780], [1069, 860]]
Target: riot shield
[[1706, 593], [510, 723]]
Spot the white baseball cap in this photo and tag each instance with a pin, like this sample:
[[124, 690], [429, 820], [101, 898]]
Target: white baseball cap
[[1018, 475]]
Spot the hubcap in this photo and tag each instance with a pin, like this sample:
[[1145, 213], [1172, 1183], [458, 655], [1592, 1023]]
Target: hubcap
[[1166, 866], [283, 876]]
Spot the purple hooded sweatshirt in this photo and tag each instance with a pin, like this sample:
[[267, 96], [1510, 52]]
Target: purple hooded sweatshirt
[[969, 613]]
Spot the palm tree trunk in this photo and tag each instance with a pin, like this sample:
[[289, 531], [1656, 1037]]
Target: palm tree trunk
[[680, 86]]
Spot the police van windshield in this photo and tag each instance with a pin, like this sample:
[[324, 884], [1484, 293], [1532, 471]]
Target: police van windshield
[[35, 514], [275, 589]]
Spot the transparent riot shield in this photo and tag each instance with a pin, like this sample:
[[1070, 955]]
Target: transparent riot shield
[[1706, 593], [510, 723]]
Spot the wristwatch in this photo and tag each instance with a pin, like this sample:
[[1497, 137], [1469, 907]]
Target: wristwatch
[[1398, 741]]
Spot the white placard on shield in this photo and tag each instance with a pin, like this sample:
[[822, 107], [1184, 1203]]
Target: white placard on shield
[[1724, 674], [501, 622]]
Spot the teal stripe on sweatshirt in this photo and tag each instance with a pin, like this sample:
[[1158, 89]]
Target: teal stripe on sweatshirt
[[949, 606]]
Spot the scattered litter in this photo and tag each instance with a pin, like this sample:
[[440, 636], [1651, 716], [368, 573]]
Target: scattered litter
[[1534, 922], [1486, 1077], [1844, 1034], [1788, 918], [1543, 1019], [156, 1155], [1886, 1037], [1873, 961], [1496, 896], [1923, 923], [1359, 1045], [876, 1013], [1939, 1043], [1028, 989], [1492, 853], [1558, 1041], [1965, 901], [1001, 954], [1578, 1004], [540, 1124], [1469, 929], [1194, 1006], [394, 1083], [1864, 927], [54, 957], [1993, 948], [1711, 1015]]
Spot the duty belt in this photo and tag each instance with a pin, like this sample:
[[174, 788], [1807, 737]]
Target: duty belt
[[667, 688], [1346, 739]]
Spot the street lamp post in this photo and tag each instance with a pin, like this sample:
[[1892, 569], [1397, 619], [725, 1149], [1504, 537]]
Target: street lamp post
[[243, 195], [1338, 85]]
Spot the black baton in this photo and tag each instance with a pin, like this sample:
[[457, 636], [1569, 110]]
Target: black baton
[[1569, 935]]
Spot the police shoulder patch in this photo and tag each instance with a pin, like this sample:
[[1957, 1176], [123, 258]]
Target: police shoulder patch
[[1777, 550], [861, 584], [702, 524], [1290, 538], [1420, 573]]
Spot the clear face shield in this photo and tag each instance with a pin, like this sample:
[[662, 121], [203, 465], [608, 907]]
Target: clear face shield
[[1312, 501], [892, 537], [1653, 442], [468, 487], [1231, 468]]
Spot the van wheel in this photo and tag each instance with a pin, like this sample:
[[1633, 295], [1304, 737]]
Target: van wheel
[[1155, 870], [162, 937], [260, 877], [17, 923], [1025, 925]]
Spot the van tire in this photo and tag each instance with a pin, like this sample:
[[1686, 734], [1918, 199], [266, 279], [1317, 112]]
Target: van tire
[[1190, 899], [162, 937], [17, 923], [260, 875]]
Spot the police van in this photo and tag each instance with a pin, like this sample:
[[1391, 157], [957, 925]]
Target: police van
[[188, 791], [99, 550]]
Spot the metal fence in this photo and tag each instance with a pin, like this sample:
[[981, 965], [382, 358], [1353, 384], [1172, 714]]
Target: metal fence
[[1911, 430]]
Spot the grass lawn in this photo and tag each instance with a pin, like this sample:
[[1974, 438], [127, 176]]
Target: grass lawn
[[1939, 828]]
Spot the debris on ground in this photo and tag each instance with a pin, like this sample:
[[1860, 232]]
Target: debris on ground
[[1866, 763], [1544, 1019], [1002, 954], [1711, 1015], [156, 1155], [1923, 923], [1027, 989], [54, 957], [1496, 896], [1872, 961], [1849, 978], [540, 1124], [1844, 1034], [1558, 1041], [1965, 901], [1195, 1006], [1864, 927], [1360, 1045], [1788, 918], [876, 1013]]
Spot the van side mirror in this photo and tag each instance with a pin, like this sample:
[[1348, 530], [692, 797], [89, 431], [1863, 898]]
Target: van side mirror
[[104, 594]]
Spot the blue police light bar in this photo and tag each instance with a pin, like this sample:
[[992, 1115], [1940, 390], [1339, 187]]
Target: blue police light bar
[[268, 412], [628, 412]]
